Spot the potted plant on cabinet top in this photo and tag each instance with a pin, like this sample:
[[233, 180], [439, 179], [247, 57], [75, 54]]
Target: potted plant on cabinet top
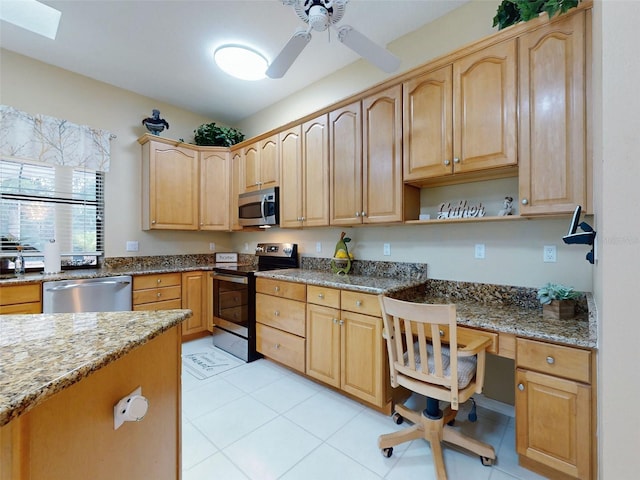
[[558, 301], [209, 134], [511, 12]]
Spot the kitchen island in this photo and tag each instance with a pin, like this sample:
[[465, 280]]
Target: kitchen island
[[61, 376]]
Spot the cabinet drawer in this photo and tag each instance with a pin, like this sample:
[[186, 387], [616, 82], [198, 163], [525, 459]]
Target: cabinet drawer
[[292, 290], [328, 297], [281, 346], [281, 313], [567, 362], [141, 282], [18, 308], [156, 295], [467, 335], [358, 302], [168, 305], [14, 294]]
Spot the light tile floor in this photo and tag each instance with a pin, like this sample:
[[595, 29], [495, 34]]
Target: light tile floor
[[260, 421]]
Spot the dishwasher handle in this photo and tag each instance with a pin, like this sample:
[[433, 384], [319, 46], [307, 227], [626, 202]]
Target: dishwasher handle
[[85, 285]]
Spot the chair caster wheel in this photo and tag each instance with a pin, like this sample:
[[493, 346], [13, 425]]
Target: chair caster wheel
[[397, 418], [451, 423], [387, 452], [486, 461]]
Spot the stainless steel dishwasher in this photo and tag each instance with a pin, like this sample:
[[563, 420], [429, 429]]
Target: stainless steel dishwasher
[[109, 294]]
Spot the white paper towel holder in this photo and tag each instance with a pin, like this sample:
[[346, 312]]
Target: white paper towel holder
[[52, 262]]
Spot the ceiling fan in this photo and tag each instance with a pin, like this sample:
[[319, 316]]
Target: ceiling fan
[[320, 15]]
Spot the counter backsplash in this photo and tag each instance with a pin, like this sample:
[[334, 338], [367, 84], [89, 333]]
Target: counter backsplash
[[371, 268], [159, 261]]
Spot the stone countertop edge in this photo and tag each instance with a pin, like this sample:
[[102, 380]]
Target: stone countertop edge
[[43, 354]]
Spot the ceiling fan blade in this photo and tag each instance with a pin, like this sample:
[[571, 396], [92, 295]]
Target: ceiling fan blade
[[289, 53], [367, 49]]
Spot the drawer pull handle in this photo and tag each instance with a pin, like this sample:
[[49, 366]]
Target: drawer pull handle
[[441, 333], [447, 162], [277, 289], [159, 280], [335, 320], [341, 322], [321, 295], [525, 201], [276, 313], [158, 295], [521, 387], [277, 345], [551, 360], [358, 303]]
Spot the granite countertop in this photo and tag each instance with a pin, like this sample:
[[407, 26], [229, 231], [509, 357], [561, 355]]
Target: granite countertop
[[41, 355], [357, 283], [521, 319]]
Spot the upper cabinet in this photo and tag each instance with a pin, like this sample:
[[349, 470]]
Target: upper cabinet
[[261, 164], [214, 188], [552, 68], [184, 187], [461, 117], [366, 159], [237, 186], [292, 190], [170, 185]]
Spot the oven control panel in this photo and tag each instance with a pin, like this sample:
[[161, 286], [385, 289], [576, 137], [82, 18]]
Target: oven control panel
[[277, 249]]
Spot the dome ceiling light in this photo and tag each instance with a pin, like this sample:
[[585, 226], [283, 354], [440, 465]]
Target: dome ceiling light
[[241, 62]]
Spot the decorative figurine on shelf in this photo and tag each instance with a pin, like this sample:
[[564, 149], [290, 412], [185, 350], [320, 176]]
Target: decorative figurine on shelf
[[155, 124], [507, 208]]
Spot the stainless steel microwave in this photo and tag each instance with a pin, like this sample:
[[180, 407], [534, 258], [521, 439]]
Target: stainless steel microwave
[[259, 208]]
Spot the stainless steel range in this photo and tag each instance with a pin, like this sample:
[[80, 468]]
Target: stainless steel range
[[234, 298]]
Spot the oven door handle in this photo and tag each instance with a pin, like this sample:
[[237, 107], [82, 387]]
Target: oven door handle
[[230, 278]]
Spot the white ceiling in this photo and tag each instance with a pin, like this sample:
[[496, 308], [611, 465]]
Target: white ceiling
[[163, 49]]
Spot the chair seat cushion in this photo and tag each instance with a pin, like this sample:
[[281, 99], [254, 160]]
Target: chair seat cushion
[[466, 365]]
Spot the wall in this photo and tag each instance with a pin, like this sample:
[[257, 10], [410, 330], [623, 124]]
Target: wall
[[35, 87], [616, 167]]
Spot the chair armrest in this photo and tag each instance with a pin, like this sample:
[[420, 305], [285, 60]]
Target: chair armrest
[[477, 345]]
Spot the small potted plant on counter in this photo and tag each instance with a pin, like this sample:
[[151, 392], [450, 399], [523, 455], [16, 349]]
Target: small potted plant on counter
[[558, 301]]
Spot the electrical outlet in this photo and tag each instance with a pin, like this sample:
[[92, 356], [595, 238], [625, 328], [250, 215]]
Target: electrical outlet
[[246, 247], [549, 253], [386, 249], [132, 246], [212, 247], [479, 250], [318, 247]]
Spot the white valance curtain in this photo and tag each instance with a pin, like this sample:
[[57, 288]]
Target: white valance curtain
[[53, 141]]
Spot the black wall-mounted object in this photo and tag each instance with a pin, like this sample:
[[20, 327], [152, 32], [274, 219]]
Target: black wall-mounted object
[[585, 237]]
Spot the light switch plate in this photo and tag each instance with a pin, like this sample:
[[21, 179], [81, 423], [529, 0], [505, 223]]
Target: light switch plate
[[386, 249], [318, 247], [479, 250], [132, 245]]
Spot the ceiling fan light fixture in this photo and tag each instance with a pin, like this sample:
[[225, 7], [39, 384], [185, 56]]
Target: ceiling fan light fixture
[[241, 62]]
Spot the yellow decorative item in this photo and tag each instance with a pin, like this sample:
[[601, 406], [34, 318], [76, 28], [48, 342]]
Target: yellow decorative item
[[341, 261]]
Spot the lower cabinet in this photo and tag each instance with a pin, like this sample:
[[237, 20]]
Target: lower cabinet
[[345, 348], [166, 291], [554, 414], [196, 298], [280, 321], [15, 299]]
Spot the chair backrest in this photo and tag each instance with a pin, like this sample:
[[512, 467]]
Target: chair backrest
[[420, 360]]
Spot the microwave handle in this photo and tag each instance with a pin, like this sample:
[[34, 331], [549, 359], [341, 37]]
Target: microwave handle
[[262, 203]]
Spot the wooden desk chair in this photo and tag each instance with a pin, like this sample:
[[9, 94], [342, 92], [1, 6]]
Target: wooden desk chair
[[420, 362]]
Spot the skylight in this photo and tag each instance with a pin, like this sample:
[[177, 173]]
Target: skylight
[[31, 15]]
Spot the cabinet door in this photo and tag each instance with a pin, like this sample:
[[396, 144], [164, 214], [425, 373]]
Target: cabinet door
[[382, 156], [427, 125], [292, 191], [173, 187], [552, 177], [194, 293], [214, 190], [362, 366], [553, 422], [315, 155], [345, 164], [484, 109], [237, 187], [269, 173], [323, 344], [251, 167]]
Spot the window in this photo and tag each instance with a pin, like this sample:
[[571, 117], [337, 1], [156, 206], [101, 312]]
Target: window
[[39, 202]]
